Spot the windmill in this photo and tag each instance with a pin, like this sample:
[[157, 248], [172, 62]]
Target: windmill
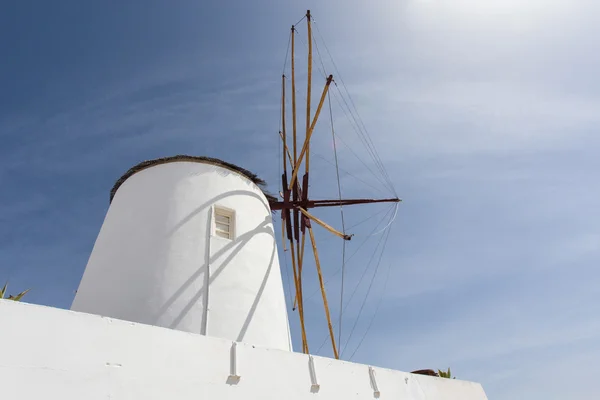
[[295, 201]]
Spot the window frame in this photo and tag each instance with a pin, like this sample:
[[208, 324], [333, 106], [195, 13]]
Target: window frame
[[220, 211]]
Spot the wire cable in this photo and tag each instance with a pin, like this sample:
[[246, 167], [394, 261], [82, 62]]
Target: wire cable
[[385, 282], [337, 171], [314, 153], [356, 130], [365, 271], [300, 20], [328, 279], [390, 223], [287, 53], [364, 301], [365, 135], [321, 68], [368, 291], [355, 126], [376, 157], [366, 141], [368, 218], [319, 54]]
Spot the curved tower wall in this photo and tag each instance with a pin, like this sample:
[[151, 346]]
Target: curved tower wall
[[158, 259]]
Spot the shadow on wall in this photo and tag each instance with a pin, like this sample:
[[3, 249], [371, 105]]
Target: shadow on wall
[[213, 201], [252, 310], [237, 244]]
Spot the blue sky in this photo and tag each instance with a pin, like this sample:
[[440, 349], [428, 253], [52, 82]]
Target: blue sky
[[484, 114]]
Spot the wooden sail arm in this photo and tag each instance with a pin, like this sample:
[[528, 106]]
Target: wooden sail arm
[[322, 285], [349, 202], [310, 131], [279, 205], [324, 225]]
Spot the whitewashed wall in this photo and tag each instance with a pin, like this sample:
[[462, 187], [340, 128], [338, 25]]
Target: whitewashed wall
[[157, 261], [47, 353]]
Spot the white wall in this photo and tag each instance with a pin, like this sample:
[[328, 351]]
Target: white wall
[[47, 353], [156, 260]]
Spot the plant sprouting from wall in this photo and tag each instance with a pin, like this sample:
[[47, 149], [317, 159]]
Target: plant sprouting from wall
[[18, 297], [445, 374]]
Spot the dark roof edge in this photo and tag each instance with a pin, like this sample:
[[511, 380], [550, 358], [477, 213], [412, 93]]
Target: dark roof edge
[[199, 159]]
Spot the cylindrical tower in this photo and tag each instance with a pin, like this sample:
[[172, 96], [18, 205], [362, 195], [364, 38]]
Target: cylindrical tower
[[188, 244]]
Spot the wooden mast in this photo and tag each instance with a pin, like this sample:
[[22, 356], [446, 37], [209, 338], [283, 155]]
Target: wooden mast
[[304, 192], [309, 87], [287, 215]]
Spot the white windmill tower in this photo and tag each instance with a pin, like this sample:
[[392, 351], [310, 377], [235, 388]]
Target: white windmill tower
[[188, 244]]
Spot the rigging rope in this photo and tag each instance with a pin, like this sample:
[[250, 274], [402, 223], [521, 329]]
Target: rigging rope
[[368, 290], [337, 171], [356, 121], [338, 74], [390, 223], [377, 178], [327, 280], [353, 152], [356, 127], [360, 280], [369, 218], [367, 139], [300, 20], [287, 53], [346, 172], [365, 271], [319, 53], [386, 185], [353, 121], [321, 70], [385, 282]]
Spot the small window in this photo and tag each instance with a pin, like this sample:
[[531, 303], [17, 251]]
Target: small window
[[224, 223]]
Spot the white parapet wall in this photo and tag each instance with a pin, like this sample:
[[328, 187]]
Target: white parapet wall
[[49, 353], [159, 259]]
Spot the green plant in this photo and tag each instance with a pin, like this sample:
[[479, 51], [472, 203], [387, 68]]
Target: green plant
[[445, 374], [11, 297]]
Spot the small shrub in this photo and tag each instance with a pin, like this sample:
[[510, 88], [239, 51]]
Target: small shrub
[[445, 374], [18, 297]]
